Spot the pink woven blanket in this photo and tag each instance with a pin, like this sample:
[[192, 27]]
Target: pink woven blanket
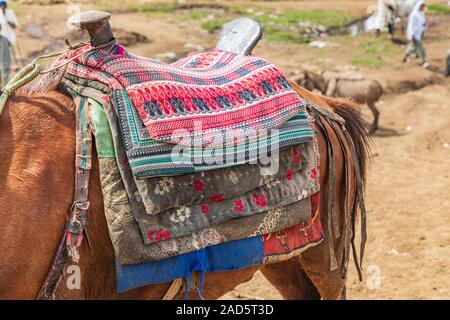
[[205, 99]]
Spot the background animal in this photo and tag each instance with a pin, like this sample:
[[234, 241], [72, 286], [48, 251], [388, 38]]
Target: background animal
[[390, 11], [346, 85]]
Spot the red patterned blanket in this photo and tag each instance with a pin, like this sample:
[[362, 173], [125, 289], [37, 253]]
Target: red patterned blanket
[[200, 97]]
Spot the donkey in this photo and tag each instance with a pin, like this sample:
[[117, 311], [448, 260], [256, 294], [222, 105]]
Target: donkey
[[351, 86], [36, 188]]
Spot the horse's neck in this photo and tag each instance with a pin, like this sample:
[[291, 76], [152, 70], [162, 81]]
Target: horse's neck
[[36, 134], [37, 172]]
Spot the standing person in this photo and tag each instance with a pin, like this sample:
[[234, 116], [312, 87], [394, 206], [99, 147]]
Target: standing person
[[8, 22], [414, 33]]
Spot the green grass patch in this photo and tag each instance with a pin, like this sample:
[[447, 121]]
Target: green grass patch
[[240, 10], [138, 6], [346, 40], [156, 7], [367, 62], [293, 26], [378, 46], [294, 18], [439, 8], [372, 52], [211, 26], [111, 5], [198, 15], [276, 35]]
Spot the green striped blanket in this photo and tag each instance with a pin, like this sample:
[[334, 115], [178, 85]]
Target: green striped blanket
[[148, 157]]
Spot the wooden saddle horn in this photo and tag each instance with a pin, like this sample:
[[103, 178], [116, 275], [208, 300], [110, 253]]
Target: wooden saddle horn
[[96, 23]]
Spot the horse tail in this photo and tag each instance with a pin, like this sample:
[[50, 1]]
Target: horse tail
[[357, 128], [358, 142]]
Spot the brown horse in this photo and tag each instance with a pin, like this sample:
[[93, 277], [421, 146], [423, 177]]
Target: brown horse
[[36, 188]]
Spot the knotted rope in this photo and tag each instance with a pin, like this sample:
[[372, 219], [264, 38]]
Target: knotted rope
[[34, 69], [26, 75]]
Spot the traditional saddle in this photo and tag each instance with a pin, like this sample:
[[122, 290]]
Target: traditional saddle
[[169, 214]]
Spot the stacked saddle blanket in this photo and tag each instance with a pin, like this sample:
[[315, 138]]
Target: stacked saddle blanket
[[193, 211], [267, 237], [271, 248], [206, 216], [189, 201], [208, 111]]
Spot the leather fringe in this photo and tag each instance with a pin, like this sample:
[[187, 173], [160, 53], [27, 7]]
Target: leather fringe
[[351, 205]]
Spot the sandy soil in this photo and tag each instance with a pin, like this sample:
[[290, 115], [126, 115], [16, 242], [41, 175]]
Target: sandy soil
[[408, 250], [408, 204]]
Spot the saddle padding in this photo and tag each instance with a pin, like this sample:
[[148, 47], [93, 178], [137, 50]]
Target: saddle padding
[[200, 100]]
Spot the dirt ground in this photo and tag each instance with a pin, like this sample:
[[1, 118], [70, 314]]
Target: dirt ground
[[408, 249]]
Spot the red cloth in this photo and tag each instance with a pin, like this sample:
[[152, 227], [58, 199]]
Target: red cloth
[[200, 95], [298, 236]]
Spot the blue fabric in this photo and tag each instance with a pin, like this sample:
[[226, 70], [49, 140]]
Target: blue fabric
[[223, 257]]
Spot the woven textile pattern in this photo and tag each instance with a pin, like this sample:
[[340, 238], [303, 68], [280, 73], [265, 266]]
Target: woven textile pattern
[[200, 95], [222, 108], [149, 157], [197, 103], [124, 207]]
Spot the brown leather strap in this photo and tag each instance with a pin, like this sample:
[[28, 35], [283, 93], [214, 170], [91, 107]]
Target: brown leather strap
[[348, 201], [323, 119], [78, 219], [331, 199], [56, 271], [78, 216], [348, 207], [78, 213]]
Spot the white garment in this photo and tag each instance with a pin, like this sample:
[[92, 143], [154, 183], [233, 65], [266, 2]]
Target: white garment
[[6, 29], [416, 23], [404, 7], [382, 15], [378, 20]]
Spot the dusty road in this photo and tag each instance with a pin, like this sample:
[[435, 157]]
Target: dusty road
[[408, 249]]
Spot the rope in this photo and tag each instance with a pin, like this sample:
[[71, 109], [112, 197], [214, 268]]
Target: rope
[[34, 69], [26, 75]]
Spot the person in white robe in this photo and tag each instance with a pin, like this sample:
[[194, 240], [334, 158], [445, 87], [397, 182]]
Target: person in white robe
[[8, 22], [414, 33]]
